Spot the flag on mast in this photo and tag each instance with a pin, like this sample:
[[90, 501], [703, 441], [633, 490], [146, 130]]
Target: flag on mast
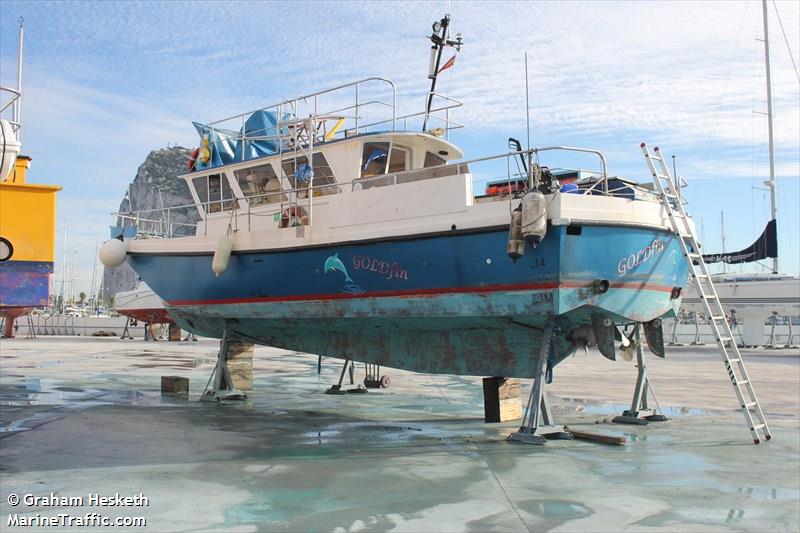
[[450, 63]]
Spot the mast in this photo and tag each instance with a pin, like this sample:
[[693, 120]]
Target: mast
[[63, 270], [93, 294], [722, 229], [18, 102], [771, 183], [440, 41]]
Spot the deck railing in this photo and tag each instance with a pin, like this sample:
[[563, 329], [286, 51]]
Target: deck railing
[[362, 106], [161, 223], [13, 96]]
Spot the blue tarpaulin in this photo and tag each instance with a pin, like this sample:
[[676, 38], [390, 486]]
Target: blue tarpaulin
[[221, 145], [260, 132], [257, 138]]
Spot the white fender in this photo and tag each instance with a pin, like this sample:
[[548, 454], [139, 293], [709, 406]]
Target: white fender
[[113, 252], [222, 255], [534, 217]]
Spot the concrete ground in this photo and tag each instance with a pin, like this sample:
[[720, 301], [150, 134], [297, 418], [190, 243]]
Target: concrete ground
[[81, 416]]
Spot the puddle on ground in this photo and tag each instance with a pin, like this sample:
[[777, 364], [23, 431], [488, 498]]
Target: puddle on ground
[[58, 399], [617, 409], [557, 509]]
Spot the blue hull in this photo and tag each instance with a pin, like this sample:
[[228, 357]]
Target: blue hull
[[451, 303]]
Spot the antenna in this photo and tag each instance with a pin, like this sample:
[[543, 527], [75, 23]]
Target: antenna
[[527, 102], [528, 117], [676, 178], [440, 40]]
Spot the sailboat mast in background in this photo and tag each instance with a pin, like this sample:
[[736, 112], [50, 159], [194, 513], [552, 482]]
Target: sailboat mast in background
[[771, 183]]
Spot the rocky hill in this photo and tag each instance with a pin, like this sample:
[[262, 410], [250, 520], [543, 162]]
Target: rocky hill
[[155, 186]]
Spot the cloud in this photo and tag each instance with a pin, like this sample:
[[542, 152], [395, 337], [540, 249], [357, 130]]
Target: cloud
[[89, 139]]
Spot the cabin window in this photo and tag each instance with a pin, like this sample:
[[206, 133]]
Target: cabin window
[[201, 188], [214, 192], [260, 184], [374, 159], [398, 159], [433, 160], [323, 173], [299, 174], [220, 195]]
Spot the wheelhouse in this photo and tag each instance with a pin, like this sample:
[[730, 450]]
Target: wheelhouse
[[272, 183]]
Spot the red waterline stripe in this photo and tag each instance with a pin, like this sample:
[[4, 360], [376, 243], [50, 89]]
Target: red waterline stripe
[[422, 292]]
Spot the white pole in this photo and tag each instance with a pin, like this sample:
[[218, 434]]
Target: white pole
[[722, 230], [63, 267], [771, 184], [93, 294], [18, 102], [74, 276]]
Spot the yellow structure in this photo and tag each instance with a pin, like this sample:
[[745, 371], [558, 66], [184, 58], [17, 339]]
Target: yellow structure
[[27, 241], [28, 215]]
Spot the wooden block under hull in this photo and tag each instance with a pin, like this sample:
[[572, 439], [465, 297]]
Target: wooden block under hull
[[240, 364], [174, 385], [501, 399], [174, 332]]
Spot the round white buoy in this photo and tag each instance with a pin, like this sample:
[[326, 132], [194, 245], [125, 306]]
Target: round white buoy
[[222, 255], [113, 252]]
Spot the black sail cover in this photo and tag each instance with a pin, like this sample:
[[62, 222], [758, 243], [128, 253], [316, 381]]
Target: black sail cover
[[765, 246]]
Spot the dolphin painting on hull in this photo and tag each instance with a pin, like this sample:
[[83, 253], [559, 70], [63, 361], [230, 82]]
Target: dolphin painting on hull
[[334, 264]]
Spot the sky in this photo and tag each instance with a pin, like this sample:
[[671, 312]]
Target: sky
[[107, 82]]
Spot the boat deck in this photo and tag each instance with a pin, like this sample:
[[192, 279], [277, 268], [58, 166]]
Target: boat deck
[[82, 416]]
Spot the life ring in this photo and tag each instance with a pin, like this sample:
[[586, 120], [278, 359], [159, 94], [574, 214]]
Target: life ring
[[193, 159], [293, 213]]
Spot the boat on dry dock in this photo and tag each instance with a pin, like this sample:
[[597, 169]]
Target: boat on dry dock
[[27, 218], [142, 304], [331, 230]]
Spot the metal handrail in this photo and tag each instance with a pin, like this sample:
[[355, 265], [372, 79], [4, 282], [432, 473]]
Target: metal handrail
[[446, 120], [299, 135], [584, 150], [339, 183], [15, 95], [462, 167], [291, 101]]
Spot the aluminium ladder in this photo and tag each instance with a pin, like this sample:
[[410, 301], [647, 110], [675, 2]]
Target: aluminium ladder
[[734, 364]]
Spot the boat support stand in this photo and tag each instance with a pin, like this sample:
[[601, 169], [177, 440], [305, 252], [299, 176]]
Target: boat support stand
[[640, 413], [337, 389], [223, 387], [126, 334], [537, 424]]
